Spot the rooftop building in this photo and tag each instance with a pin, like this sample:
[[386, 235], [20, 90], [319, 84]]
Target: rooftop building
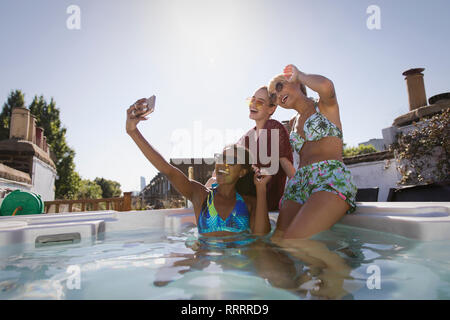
[[26, 161]]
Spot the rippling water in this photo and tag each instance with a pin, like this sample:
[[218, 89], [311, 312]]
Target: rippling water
[[343, 263]]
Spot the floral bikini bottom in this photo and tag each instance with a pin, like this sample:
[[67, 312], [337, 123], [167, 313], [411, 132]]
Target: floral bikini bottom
[[329, 175]]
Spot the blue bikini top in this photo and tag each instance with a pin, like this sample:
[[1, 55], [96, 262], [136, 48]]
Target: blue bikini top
[[316, 127], [210, 220]]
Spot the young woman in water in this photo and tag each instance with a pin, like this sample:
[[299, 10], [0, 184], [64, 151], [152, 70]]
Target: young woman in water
[[235, 205], [322, 190]]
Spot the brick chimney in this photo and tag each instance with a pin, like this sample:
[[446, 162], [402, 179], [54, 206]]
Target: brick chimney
[[32, 129], [40, 137], [20, 123], [416, 88]]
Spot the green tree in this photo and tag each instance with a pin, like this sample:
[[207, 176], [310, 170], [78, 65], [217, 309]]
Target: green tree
[[110, 188], [359, 150], [68, 181], [15, 99], [89, 190]]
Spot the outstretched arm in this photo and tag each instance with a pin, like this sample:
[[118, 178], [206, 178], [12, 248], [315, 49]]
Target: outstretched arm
[[177, 178], [320, 84]]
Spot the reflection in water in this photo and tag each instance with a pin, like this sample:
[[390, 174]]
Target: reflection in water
[[306, 268]]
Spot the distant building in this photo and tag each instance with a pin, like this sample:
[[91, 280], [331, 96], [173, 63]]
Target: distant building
[[380, 169], [142, 183], [202, 167], [160, 190], [26, 162]]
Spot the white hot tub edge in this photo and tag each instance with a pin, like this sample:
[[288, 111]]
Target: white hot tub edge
[[426, 221]]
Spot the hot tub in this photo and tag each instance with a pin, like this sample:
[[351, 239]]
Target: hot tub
[[382, 251]]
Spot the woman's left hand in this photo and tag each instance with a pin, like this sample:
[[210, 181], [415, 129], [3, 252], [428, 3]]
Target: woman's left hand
[[259, 179], [291, 73]]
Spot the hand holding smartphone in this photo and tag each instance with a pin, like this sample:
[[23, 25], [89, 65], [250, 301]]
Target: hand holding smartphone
[[144, 107], [151, 104]]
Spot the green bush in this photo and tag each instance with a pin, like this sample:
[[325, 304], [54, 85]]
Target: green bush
[[359, 150]]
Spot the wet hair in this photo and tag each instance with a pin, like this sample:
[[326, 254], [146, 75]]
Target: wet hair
[[245, 185], [274, 81]]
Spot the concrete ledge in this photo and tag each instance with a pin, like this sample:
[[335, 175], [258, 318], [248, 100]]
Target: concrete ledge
[[419, 113], [24, 147], [12, 174]]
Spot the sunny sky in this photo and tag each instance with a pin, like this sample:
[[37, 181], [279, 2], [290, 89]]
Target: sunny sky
[[202, 59]]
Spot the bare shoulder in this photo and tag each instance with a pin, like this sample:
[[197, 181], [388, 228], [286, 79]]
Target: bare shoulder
[[200, 192], [331, 112]]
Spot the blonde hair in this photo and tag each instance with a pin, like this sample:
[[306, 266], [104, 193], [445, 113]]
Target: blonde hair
[[281, 78]]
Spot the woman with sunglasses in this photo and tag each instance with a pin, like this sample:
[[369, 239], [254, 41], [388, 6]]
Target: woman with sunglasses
[[237, 204], [322, 189], [261, 109]]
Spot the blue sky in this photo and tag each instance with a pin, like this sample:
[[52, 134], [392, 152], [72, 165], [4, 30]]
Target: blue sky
[[202, 59]]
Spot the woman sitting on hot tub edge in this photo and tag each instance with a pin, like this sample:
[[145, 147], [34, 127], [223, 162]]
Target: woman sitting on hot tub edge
[[235, 205], [322, 189]]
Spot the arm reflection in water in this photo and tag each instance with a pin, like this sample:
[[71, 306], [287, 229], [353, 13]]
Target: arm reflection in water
[[300, 266]]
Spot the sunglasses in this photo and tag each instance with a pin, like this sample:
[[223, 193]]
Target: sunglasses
[[253, 101], [278, 88]]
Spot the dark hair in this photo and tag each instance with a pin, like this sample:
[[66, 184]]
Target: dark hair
[[245, 185]]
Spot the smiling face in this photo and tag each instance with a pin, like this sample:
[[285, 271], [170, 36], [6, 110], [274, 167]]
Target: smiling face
[[286, 94], [260, 106], [228, 173]]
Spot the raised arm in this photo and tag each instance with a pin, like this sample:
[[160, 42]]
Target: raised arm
[[136, 113], [320, 84]]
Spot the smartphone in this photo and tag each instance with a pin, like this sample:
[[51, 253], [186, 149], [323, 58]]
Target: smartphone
[[145, 108], [151, 104]]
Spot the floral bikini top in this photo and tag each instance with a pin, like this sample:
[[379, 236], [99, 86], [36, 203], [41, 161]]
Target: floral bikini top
[[316, 127]]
